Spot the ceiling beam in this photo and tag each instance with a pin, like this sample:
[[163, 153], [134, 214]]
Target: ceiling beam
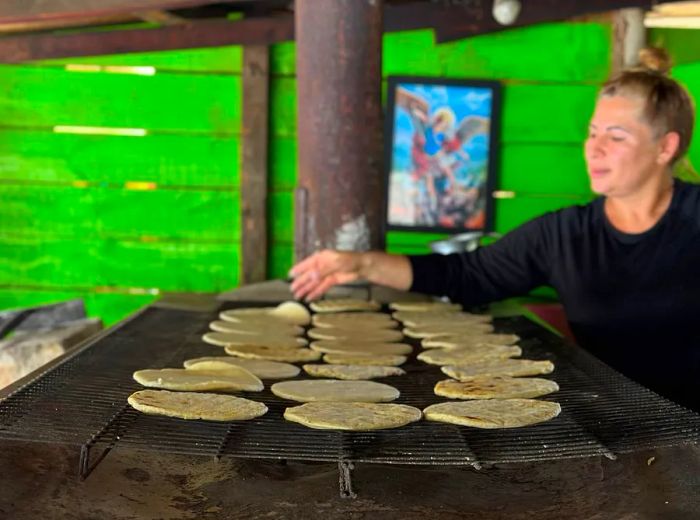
[[204, 33], [454, 21], [15, 11]]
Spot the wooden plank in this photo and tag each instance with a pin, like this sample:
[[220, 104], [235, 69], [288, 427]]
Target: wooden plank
[[544, 169], [280, 213], [214, 60], [103, 213], [283, 163], [280, 260], [523, 107], [554, 52], [165, 103], [511, 213], [256, 77], [200, 33], [175, 266], [184, 161]]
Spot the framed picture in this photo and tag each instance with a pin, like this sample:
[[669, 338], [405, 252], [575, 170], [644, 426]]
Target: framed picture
[[440, 154]]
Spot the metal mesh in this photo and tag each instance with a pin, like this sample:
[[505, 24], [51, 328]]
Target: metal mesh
[[83, 402]]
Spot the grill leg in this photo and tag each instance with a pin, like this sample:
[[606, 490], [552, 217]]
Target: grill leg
[[345, 479]]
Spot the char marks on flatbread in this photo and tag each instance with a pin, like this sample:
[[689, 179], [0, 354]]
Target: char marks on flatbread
[[495, 387], [352, 372], [191, 405], [502, 367], [465, 357], [493, 413], [343, 347], [282, 354]]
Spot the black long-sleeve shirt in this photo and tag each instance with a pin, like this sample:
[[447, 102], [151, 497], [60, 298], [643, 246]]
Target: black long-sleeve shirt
[[633, 300]]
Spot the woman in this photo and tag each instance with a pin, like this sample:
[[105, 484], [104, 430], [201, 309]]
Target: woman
[[626, 266]]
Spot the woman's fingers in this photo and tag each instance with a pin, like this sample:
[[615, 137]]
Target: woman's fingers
[[330, 281], [319, 272]]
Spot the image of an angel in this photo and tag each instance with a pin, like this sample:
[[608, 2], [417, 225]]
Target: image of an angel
[[439, 156]]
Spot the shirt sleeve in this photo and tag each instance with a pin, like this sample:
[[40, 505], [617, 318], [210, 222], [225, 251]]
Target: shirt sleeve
[[511, 266]]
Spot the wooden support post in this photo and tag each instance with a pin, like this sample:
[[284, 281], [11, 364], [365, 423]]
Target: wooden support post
[[339, 125], [629, 36], [254, 167]]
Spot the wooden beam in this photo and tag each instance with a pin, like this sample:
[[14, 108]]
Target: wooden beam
[[456, 21], [204, 33], [46, 25], [256, 80], [160, 17], [13, 11]]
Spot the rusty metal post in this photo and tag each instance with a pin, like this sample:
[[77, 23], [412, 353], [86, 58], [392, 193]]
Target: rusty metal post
[[339, 125]]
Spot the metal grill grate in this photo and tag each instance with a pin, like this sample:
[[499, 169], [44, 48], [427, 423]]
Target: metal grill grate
[[82, 402]]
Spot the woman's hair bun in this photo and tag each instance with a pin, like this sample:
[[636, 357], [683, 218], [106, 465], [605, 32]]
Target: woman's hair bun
[[655, 59]]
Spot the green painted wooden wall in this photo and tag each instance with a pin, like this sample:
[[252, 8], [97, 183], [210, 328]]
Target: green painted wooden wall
[[104, 217]]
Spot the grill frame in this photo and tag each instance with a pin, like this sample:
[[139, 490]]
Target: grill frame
[[81, 401]]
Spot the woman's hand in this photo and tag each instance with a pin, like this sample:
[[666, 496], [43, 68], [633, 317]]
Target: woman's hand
[[321, 271]]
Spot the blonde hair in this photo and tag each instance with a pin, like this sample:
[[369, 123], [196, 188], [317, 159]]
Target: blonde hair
[[667, 105]]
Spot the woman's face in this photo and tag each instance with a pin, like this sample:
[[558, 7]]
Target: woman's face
[[622, 154]]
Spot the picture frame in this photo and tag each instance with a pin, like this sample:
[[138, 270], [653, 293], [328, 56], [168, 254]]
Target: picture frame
[[441, 152]]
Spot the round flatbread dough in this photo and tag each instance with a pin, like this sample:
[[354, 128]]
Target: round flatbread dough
[[498, 387], [343, 347], [352, 416], [258, 367], [287, 355], [465, 357], [471, 329], [334, 321], [257, 328], [334, 390], [420, 319], [190, 405], [352, 317], [365, 359], [344, 305], [224, 339], [502, 367], [425, 306], [230, 380], [357, 335], [352, 372], [459, 341], [493, 413], [292, 312]]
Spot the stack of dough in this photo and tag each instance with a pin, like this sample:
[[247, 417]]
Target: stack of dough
[[264, 333]]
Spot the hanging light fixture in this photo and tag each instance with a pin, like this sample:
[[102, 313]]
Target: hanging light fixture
[[506, 12]]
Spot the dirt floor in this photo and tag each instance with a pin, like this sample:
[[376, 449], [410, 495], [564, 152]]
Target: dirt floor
[[41, 482]]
